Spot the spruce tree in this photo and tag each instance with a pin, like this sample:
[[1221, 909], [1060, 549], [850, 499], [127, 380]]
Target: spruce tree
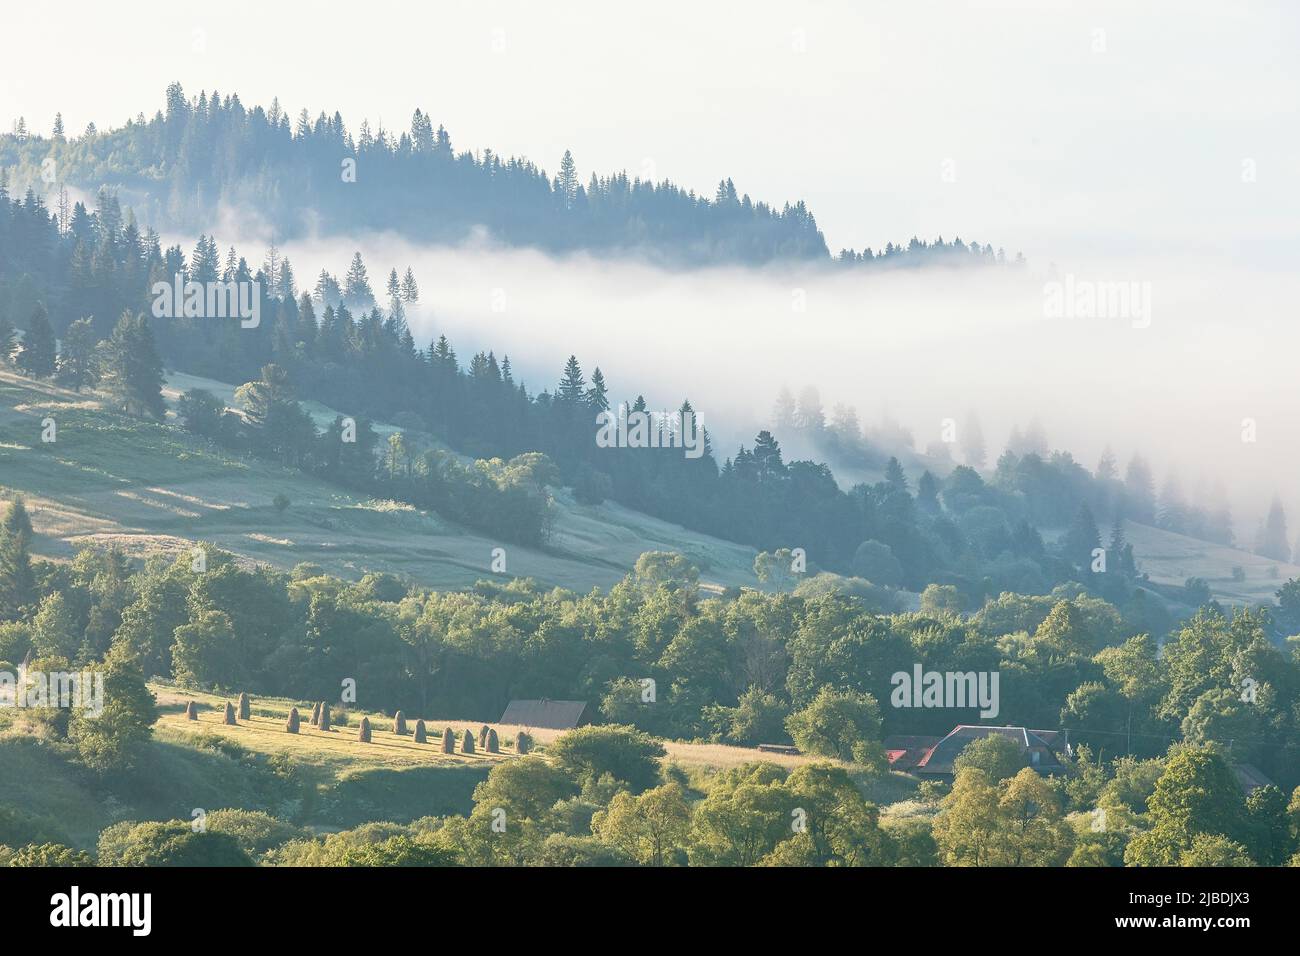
[[567, 181], [598, 394], [895, 478], [1107, 470], [356, 286], [767, 457], [77, 366], [1116, 536], [1272, 541], [410, 290], [1082, 538], [38, 356], [17, 582], [131, 369], [573, 387]]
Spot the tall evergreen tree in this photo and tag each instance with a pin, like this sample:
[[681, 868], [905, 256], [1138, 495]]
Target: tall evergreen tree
[[1081, 539], [356, 286], [766, 458], [38, 357], [1272, 540], [327, 292], [1107, 470], [288, 286], [573, 387], [17, 582], [598, 395], [894, 476], [131, 369], [77, 366], [568, 180], [410, 290]]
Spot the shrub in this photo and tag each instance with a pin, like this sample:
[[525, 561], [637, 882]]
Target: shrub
[[839, 724], [1197, 592], [291, 725], [876, 562], [50, 854], [173, 843], [397, 850], [560, 849], [757, 718], [256, 832], [625, 753], [19, 828], [363, 732], [591, 487]]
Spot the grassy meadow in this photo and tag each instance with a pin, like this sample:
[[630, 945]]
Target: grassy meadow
[[108, 479]]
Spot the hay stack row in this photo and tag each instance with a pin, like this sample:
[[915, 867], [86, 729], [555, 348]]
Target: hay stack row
[[487, 740]]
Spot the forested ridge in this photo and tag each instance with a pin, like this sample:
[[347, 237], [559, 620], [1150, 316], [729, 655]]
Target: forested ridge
[[337, 344], [303, 173]]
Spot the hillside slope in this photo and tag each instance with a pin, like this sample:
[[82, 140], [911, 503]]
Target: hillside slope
[[146, 487], [1171, 558]]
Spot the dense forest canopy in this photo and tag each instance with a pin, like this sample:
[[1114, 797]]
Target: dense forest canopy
[[303, 174], [336, 343]]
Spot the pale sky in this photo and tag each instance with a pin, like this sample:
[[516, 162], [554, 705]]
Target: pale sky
[[1068, 128]]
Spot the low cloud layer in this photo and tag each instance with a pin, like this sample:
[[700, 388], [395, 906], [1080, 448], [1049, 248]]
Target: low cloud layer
[[1174, 378]]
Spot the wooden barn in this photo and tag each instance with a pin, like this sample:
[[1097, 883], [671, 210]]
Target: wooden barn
[[547, 714]]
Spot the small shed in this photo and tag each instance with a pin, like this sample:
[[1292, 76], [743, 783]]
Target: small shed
[[546, 714]]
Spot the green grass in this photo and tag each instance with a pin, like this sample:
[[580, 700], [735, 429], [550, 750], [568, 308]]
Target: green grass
[[325, 781], [1173, 558], [144, 487]]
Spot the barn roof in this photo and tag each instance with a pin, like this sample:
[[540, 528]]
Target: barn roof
[[906, 751], [549, 714], [941, 757]]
